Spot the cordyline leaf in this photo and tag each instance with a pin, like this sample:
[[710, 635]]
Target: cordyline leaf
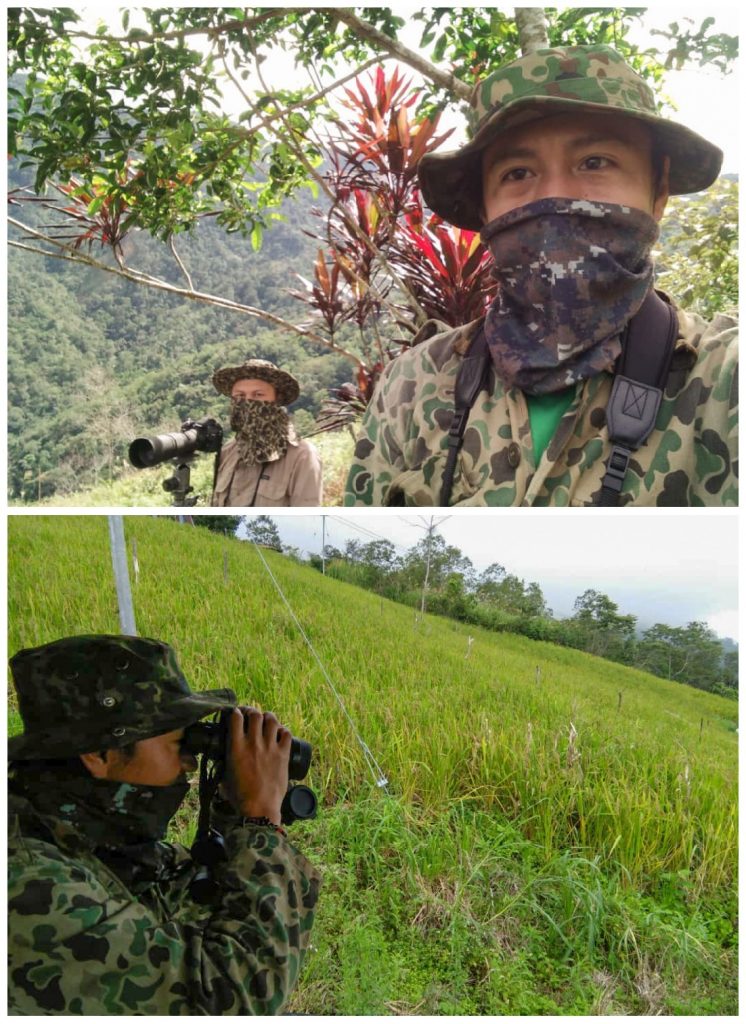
[[402, 124], [322, 275], [420, 138], [476, 254], [394, 148], [380, 88], [427, 247], [369, 108]]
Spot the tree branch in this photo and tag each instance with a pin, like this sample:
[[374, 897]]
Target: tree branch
[[442, 78], [532, 28], [67, 252], [245, 23], [184, 270]]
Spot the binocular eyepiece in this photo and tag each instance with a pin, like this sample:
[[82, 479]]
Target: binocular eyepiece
[[211, 740]]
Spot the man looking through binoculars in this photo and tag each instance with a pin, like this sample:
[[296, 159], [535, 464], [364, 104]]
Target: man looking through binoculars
[[102, 913]]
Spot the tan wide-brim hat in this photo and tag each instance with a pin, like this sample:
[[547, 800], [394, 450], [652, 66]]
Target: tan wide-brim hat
[[568, 79], [284, 383]]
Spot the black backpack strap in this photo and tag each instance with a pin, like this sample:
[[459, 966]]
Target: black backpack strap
[[638, 388], [473, 375]]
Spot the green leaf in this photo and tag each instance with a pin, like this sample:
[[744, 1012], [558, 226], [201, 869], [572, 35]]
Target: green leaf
[[257, 233]]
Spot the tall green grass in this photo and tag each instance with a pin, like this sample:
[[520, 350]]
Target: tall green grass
[[525, 823]]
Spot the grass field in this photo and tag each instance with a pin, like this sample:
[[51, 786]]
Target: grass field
[[560, 841]]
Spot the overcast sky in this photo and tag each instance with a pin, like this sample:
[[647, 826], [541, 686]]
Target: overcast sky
[[661, 567]]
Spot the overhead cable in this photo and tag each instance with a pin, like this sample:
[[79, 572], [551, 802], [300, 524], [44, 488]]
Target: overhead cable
[[376, 771]]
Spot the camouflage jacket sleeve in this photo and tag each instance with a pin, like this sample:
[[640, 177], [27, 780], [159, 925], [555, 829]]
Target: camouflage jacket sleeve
[[411, 384], [81, 943]]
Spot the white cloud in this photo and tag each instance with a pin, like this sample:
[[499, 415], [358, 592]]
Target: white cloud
[[724, 623]]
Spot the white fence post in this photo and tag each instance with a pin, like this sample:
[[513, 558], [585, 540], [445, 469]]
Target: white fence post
[[121, 576]]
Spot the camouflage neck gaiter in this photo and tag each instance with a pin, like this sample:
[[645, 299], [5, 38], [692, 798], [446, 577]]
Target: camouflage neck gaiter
[[121, 822], [571, 274], [261, 429]]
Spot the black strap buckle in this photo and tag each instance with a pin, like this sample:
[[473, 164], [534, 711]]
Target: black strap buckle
[[458, 424], [616, 467]]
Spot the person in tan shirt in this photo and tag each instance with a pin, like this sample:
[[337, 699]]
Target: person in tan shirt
[[267, 463]]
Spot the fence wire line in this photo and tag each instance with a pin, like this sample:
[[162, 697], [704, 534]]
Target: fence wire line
[[375, 769]]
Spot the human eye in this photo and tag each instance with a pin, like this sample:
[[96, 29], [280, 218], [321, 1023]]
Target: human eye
[[515, 174], [596, 163]]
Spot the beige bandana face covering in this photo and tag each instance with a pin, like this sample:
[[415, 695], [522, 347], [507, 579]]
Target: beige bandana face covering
[[261, 430]]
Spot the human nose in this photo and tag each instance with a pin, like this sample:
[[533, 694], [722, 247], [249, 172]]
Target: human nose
[[556, 182]]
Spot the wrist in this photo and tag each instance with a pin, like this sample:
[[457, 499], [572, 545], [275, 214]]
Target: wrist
[[258, 809], [261, 821]]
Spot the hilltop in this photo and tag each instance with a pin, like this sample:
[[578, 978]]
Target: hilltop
[[552, 841]]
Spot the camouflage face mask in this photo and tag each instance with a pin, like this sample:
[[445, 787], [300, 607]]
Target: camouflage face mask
[[122, 822], [571, 273], [261, 429]]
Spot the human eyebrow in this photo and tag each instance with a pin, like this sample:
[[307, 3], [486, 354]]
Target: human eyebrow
[[597, 139], [515, 153]]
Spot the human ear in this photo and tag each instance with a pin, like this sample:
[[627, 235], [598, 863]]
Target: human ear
[[661, 197], [97, 764]]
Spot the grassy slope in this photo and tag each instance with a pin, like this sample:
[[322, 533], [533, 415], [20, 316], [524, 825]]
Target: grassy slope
[[541, 850]]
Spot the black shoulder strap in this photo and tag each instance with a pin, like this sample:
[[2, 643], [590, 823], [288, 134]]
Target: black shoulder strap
[[635, 394], [638, 388], [473, 375]]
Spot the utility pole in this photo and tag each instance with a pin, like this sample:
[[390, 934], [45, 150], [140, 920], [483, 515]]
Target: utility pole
[[430, 531], [323, 545]]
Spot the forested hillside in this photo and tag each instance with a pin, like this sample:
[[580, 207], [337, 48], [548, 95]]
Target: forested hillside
[[94, 360]]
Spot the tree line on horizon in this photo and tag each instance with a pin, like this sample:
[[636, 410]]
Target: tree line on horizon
[[437, 577]]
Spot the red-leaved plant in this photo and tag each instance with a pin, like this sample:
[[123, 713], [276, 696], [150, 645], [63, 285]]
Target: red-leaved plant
[[388, 265]]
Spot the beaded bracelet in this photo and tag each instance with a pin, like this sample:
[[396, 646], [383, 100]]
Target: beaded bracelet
[[265, 822]]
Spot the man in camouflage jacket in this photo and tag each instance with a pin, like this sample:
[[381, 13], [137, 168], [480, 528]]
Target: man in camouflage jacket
[[566, 176], [101, 917]]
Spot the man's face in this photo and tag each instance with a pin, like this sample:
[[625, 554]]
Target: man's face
[[157, 761], [602, 157], [258, 390]]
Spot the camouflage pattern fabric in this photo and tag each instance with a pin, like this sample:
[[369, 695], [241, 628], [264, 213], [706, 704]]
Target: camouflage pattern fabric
[[591, 78], [81, 943], [90, 692], [105, 811], [689, 459], [284, 383], [571, 274], [261, 429]]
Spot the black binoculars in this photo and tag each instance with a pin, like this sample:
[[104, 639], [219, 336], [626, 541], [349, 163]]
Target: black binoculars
[[210, 739]]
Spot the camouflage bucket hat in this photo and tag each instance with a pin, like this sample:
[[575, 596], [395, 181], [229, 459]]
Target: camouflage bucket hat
[[561, 80], [85, 693], [284, 383]]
